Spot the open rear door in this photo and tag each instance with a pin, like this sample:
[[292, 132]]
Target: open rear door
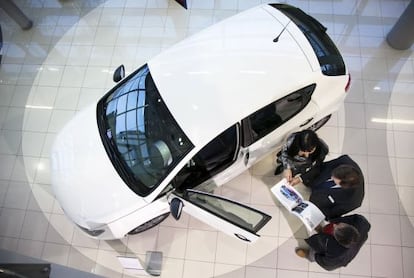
[[228, 216]]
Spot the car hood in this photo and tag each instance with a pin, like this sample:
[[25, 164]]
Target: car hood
[[84, 180], [231, 69]]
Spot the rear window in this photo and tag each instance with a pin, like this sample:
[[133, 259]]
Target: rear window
[[330, 59]]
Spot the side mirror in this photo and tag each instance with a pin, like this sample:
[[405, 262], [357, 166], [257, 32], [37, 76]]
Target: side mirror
[[119, 73], [176, 207]]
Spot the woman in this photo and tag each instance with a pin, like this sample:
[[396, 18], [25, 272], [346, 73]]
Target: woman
[[301, 157]]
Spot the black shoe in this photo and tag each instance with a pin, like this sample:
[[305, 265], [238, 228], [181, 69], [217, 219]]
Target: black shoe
[[279, 169]]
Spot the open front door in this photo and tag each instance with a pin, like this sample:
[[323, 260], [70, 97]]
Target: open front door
[[230, 217]]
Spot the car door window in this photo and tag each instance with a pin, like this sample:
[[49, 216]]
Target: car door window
[[270, 117], [237, 214], [210, 160]]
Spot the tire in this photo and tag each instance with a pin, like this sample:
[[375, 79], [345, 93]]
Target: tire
[[320, 123], [149, 224]]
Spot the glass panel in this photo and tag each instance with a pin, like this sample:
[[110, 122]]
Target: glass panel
[[139, 133], [330, 59], [289, 106], [270, 117], [265, 121], [213, 158], [235, 213]]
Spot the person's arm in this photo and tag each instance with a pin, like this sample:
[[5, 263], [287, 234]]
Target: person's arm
[[324, 201], [284, 157], [319, 243], [308, 177], [323, 151]]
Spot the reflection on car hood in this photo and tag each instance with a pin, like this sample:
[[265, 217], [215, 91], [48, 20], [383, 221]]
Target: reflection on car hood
[[84, 180]]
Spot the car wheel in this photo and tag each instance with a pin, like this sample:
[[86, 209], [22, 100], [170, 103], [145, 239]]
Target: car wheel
[[320, 123], [149, 224]]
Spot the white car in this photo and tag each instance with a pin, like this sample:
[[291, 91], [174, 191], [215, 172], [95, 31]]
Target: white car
[[198, 114]]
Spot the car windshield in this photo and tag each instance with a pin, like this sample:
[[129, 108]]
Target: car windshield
[[329, 58], [139, 133]]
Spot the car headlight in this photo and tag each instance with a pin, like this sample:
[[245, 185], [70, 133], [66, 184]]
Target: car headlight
[[92, 232]]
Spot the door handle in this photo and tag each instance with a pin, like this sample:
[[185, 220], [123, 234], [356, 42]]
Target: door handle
[[306, 122]]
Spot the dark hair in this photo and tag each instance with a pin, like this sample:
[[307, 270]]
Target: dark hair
[[347, 174], [307, 140], [346, 234]]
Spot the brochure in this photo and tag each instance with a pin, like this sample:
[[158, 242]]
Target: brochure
[[292, 200]]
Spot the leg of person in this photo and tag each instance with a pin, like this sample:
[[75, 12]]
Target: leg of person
[[305, 253], [279, 167]]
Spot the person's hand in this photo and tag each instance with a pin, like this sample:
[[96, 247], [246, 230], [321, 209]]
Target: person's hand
[[287, 173], [319, 229], [295, 181]]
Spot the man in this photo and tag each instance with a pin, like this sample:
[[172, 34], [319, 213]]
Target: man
[[337, 243], [340, 187]]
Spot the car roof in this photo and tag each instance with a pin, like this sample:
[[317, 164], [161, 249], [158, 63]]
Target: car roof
[[224, 73]]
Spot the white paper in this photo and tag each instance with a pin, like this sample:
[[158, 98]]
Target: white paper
[[132, 265], [292, 200]]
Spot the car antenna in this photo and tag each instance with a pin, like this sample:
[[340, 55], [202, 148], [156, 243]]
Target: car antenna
[[281, 32]]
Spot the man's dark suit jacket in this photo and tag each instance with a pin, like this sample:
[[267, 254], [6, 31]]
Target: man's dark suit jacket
[[335, 202], [329, 254]]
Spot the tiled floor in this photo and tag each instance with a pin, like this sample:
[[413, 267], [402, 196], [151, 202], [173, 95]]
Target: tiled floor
[[65, 61]]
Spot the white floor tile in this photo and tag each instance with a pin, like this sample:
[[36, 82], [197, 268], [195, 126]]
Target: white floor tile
[[406, 194], [67, 98], [402, 118], [56, 253], [386, 261], [377, 91], [380, 170], [25, 169], [402, 93], [10, 141], [12, 221], [385, 229], [31, 248], [403, 146], [79, 54], [252, 272], [41, 199], [263, 252], [229, 271], [383, 199], [58, 119], [9, 243], [407, 231], [35, 226], [380, 142], [408, 258], [73, 76], [172, 242], [82, 258], [17, 196], [355, 141], [60, 230], [230, 250], [404, 171], [37, 119], [197, 269], [4, 186], [354, 112], [201, 245], [32, 143], [361, 264], [287, 258]]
